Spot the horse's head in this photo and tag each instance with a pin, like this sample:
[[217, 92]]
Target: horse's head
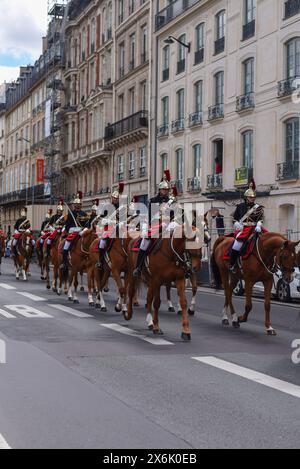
[[287, 260]]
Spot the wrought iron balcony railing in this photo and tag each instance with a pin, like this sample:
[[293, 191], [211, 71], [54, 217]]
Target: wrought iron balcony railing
[[196, 119], [199, 56], [127, 125], [163, 131], [288, 86], [292, 8], [178, 126], [288, 171], [180, 66], [214, 181], [172, 11], [194, 184], [220, 45], [216, 112], [248, 30], [245, 102]]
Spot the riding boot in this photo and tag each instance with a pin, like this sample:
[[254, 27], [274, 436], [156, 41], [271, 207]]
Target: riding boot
[[100, 263], [49, 250], [64, 265], [233, 259], [140, 264]]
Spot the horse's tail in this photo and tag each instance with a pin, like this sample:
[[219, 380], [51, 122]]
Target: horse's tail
[[214, 265]]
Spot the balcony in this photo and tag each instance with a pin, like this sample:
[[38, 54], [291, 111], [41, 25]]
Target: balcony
[[216, 112], [24, 196], [292, 8], [196, 119], [288, 171], [214, 181], [135, 126], [243, 176], [172, 11], [180, 66], [163, 131], [219, 45], [199, 56], [179, 186], [248, 30], [178, 126], [245, 102], [287, 87], [166, 74], [194, 185]]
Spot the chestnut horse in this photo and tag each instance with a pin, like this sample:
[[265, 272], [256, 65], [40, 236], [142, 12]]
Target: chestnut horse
[[24, 249], [170, 263], [2, 248], [54, 259], [272, 252]]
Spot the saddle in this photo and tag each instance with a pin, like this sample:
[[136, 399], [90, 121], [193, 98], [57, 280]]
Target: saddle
[[108, 249], [246, 250]]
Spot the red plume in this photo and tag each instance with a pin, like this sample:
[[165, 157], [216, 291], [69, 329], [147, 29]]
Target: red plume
[[80, 195], [252, 184], [167, 175], [50, 211], [175, 191], [121, 187], [61, 202]]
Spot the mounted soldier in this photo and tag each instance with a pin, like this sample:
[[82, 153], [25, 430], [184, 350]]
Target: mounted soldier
[[248, 218], [45, 224], [158, 205], [110, 223], [56, 223], [74, 227], [22, 225]]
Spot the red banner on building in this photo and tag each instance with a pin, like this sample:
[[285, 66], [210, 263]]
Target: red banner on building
[[40, 171]]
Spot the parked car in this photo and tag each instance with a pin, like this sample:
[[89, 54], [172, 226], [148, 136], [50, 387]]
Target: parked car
[[281, 291]]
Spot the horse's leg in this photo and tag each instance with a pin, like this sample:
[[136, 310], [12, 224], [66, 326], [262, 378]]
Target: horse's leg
[[186, 333], [268, 291], [90, 287], [192, 308], [117, 278], [81, 282], [228, 298], [149, 317], [248, 306], [171, 308], [156, 289], [25, 266], [75, 297]]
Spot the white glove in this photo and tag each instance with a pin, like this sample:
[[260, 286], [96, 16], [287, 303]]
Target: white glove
[[16, 232], [238, 226], [82, 232], [258, 228]]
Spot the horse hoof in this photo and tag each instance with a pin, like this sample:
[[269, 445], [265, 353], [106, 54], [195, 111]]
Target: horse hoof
[[150, 328], [171, 309], [48, 287], [76, 302], [225, 323], [54, 290], [117, 309], [98, 306], [272, 333], [104, 309], [82, 289], [157, 332], [70, 299], [92, 305], [191, 312], [186, 337], [236, 325]]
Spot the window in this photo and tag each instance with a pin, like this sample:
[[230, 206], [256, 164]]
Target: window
[[166, 63], [219, 84], [132, 101], [292, 140], [248, 149], [93, 35], [165, 111], [144, 97], [198, 96], [122, 60], [132, 52], [120, 167], [179, 164], [250, 11], [197, 160], [121, 11], [249, 76], [199, 53], [293, 58], [164, 163], [220, 32], [131, 165], [180, 104], [143, 156], [181, 54], [144, 56]]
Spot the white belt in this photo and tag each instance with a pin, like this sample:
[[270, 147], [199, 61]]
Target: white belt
[[75, 230]]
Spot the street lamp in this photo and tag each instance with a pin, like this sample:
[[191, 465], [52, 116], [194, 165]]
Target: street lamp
[[172, 39]]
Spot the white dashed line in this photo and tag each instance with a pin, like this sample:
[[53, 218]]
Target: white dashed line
[[73, 312], [7, 287], [28, 312], [31, 297], [251, 375], [132, 333], [3, 443]]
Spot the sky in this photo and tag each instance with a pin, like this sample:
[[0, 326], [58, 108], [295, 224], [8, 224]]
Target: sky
[[23, 23]]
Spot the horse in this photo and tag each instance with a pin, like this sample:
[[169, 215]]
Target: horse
[[271, 252], [54, 259], [170, 263], [2, 248], [41, 254], [78, 261], [24, 252]]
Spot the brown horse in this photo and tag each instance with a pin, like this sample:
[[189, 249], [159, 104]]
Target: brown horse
[[272, 252], [40, 244], [170, 263], [2, 247], [78, 261], [54, 260], [24, 252]]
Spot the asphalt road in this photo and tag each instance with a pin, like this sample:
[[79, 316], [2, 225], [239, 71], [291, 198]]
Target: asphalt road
[[80, 378]]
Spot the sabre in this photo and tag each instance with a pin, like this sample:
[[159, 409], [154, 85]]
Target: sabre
[[71, 213]]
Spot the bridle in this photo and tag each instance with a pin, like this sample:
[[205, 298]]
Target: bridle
[[276, 261]]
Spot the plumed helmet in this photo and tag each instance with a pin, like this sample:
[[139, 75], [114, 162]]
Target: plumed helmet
[[23, 212], [60, 207], [78, 198], [165, 183], [251, 191]]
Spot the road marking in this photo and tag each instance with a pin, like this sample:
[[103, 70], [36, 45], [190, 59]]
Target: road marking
[[28, 312], [73, 312], [3, 443], [7, 287], [7, 315], [251, 375], [31, 297], [132, 333]]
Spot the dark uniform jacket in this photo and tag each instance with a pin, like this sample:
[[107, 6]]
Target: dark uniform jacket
[[81, 218], [90, 221], [19, 222], [44, 225], [157, 200], [54, 219], [243, 208]]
